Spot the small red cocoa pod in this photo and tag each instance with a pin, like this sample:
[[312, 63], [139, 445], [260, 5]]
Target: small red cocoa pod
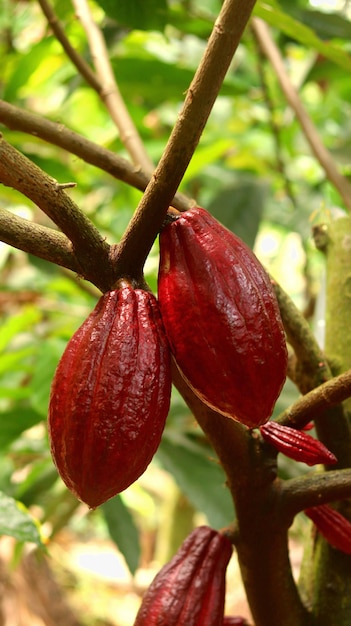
[[334, 527], [228, 620], [296, 444], [221, 317], [110, 396], [190, 589]]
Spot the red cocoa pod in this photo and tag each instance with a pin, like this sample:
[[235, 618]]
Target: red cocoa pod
[[190, 589], [296, 444], [221, 317], [334, 527], [110, 396], [228, 620]]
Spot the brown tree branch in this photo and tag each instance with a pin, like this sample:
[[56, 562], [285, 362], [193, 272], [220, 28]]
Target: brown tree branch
[[57, 134], [109, 91], [325, 159], [314, 489], [318, 400], [312, 367], [44, 242], [20, 173], [201, 95]]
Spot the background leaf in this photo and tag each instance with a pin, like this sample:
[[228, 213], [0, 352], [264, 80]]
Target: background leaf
[[122, 530], [199, 476], [16, 522]]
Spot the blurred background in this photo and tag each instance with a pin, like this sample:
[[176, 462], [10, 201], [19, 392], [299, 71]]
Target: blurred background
[[59, 562]]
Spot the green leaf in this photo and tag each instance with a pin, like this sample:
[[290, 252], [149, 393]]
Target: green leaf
[[270, 12], [164, 80], [18, 323], [15, 360], [16, 522], [240, 208], [137, 14], [13, 423], [122, 530], [25, 65], [38, 483], [199, 476]]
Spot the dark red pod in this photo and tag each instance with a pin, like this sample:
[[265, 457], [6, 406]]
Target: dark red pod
[[221, 317], [190, 589], [296, 444], [110, 396], [334, 527]]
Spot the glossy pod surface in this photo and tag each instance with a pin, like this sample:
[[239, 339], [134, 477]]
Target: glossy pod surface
[[221, 317], [296, 444], [110, 396], [190, 589]]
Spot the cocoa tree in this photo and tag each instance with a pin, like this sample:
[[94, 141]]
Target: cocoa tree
[[264, 500]]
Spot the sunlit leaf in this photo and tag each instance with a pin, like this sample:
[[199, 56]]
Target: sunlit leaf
[[16, 522], [271, 13]]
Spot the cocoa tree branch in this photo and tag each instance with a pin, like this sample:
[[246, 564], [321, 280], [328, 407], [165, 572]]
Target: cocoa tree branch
[[318, 400], [15, 118], [315, 488], [313, 368], [109, 91], [44, 242], [20, 173], [321, 153], [201, 95]]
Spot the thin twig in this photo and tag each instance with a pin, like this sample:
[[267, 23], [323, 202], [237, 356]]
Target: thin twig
[[313, 489], [325, 159], [275, 127], [59, 135], [109, 92], [103, 82], [201, 95], [58, 29]]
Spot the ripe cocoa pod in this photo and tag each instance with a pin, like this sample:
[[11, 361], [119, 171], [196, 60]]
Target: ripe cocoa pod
[[190, 589], [110, 396], [334, 527], [221, 317], [296, 444]]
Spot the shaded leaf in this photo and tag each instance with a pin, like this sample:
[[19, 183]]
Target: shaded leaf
[[13, 423], [122, 530], [150, 15], [157, 80], [240, 208], [199, 476]]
